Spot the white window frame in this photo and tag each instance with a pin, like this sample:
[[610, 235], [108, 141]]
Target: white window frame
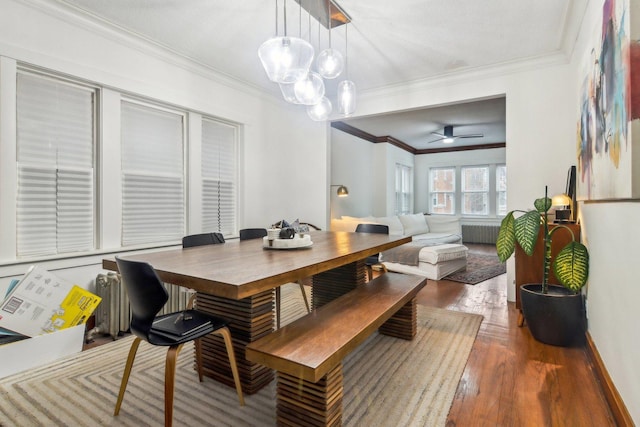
[[107, 172], [433, 193], [404, 189], [466, 191], [499, 191]]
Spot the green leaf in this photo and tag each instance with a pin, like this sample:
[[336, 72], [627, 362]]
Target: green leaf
[[506, 242], [571, 266], [542, 205], [526, 228]]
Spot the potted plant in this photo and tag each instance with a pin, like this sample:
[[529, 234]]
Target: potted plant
[[555, 314]]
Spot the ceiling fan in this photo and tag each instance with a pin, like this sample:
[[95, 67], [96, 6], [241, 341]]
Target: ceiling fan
[[448, 137]]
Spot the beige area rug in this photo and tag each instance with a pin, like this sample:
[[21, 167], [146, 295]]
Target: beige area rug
[[387, 382]]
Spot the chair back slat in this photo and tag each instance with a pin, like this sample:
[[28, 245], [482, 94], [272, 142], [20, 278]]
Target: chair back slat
[[202, 239], [147, 294], [372, 228], [252, 233]]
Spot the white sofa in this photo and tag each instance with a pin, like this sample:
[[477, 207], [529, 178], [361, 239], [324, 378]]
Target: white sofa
[[435, 250], [427, 229]]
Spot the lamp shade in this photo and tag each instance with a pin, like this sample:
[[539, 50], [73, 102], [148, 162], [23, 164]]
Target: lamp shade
[[330, 63], [342, 191], [309, 90], [346, 97], [288, 93], [321, 110], [561, 200], [286, 59]]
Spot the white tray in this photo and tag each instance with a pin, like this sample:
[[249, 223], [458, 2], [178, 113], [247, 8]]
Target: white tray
[[296, 243]]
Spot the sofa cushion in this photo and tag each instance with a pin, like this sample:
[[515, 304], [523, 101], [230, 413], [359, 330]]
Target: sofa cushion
[[394, 224], [414, 224], [442, 253]]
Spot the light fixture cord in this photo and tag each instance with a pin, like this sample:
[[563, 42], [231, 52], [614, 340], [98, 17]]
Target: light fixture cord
[[276, 18], [285, 18], [346, 53], [300, 20], [329, 21]]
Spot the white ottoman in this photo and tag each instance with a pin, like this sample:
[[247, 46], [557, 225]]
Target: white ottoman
[[434, 262]]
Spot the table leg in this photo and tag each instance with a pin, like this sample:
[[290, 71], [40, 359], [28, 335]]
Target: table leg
[[331, 284], [303, 403], [249, 319]]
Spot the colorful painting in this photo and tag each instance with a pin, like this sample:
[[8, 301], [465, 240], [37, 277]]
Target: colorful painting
[[610, 109]]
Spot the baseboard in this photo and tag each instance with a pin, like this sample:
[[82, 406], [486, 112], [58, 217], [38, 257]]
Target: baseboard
[[618, 408]]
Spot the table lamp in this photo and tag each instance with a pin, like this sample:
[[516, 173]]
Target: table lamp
[[562, 202]]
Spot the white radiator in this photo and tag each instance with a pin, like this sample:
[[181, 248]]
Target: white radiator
[[113, 315], [480, 234]]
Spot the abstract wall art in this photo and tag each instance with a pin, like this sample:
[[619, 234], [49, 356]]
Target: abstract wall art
[[608, 153]]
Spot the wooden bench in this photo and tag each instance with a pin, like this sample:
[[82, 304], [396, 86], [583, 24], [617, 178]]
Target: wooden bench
[[307, 354]]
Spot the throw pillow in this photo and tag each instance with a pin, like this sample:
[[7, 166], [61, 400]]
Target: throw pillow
[[414, 224]]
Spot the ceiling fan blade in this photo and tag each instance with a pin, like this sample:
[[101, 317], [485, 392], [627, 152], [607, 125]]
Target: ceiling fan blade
[[440, 138], [475, 135]]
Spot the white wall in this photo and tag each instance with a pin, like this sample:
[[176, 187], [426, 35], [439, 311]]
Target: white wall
[[611, 231], [351, 165], [284, 154]]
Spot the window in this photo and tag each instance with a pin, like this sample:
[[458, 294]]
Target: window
[[219, 143], [442, 186], [501, 190], [475, 190], [404, 190], [55, 164], [152, 174]]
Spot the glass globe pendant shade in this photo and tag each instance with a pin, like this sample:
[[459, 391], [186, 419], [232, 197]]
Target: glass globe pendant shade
[[320, 111], [288, 93], [330, 63], [309, 90], [346, 97], [286, 59]]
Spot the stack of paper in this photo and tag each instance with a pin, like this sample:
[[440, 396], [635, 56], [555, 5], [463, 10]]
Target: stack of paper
[[41, 303]]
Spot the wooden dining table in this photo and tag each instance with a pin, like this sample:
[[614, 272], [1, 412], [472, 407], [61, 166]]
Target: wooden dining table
[[237, 280]]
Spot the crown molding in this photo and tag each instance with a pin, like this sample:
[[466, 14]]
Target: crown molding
[[468, 75], [358, 133]]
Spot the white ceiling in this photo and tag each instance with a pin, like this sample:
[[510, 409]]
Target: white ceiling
[[389, 42]]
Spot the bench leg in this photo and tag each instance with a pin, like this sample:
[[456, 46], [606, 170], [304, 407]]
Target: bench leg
[[303, 403], [403, 324]]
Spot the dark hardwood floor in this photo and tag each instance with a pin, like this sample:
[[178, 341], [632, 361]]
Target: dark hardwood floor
[[511, 379]]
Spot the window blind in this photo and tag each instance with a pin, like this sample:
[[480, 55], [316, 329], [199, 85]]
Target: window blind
[[219, 148], [55, 143], [152, 175]]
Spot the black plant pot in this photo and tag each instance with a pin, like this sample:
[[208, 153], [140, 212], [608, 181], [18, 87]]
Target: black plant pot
[[556, 318]]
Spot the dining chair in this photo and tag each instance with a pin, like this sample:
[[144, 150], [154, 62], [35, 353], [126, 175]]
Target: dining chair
[[257, 233], [373, 260], [147, 295], [202, 239]]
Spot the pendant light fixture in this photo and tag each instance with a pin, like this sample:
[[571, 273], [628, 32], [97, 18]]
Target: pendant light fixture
[[330, 62], [346, 88], [285, 59], [309, 90], [321, 110]]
